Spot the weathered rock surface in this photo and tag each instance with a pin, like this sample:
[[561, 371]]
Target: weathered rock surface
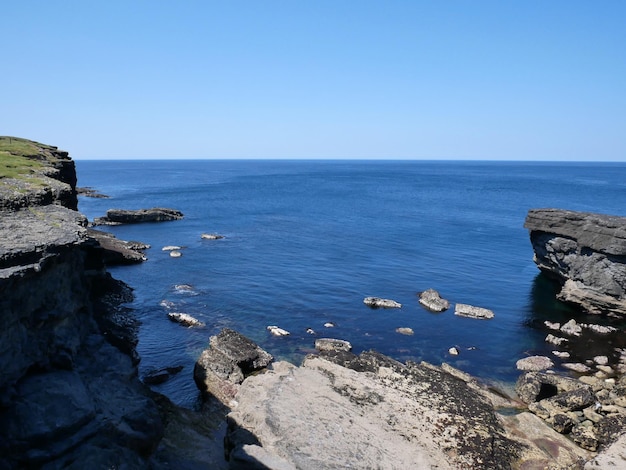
[[70, 396], [470, 311], [339, 410], [230, 358], [431, 300], [535, 363], [377, 302], [332, 344], [586, 409], [123, 216], [586, 253]]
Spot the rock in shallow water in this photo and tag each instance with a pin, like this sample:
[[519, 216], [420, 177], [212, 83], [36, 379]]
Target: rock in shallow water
[[431, 300], [470, 311], [534, 363], [376, 302]]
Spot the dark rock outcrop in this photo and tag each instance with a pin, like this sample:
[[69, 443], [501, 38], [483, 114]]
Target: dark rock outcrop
[[123, 216], [119, 252], [70, 396], [585, 253], [222, 367]]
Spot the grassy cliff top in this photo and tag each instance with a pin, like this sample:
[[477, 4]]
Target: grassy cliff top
[[33, 173], [20, 158]]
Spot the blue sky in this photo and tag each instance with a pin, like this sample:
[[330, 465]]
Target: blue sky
[[485, 80]]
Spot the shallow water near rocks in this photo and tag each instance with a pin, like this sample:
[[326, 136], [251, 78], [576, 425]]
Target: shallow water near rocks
[[306, 241]]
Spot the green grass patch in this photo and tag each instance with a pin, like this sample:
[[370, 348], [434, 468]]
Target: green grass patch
[[19, 157]]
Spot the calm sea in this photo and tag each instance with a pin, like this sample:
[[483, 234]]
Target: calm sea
[[306, 241]]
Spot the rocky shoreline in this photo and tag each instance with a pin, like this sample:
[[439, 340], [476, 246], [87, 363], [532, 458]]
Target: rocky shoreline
[[70, 395]]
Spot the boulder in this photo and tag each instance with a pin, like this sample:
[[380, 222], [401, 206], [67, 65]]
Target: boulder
[[124, 216], [331, 344], [535, 363], [431, 300], [470, 311], [535, 386], [230, 357], [376, 302], [585, 253]]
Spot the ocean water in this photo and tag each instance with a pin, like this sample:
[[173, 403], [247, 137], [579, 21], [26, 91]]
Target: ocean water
[[306, 241]]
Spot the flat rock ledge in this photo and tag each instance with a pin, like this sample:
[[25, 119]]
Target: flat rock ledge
[[123, 216], [377, 302], [340, 410], [470, 311], [585, 253]]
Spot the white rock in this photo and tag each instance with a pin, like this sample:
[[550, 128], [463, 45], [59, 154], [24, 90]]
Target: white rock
[[556, 340], [175, 254], [453, 351], [470, 311], [572, 328], [276, 331], [405, 331], [599, 329], [184, 319], [171, 248], [534, 363], [551, 325], [601, 360], [211, 236], [561, 354], [576, 367], [329, 324], [376, 302], [310, 331]]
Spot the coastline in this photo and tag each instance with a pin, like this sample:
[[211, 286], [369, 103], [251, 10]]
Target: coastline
[[152, 444]]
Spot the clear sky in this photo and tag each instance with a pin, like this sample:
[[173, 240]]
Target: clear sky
[[450, 79]]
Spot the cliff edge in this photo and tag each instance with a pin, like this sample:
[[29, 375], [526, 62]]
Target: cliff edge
[[70, 396], [585, 253]]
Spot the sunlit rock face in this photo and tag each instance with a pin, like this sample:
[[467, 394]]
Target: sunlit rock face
[[586, 253]]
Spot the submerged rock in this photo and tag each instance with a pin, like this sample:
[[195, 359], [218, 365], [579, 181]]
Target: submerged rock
[[376, 302], [184, 319], [211, 236]]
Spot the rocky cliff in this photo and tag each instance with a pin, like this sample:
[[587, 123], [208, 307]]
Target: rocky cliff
[[69, 392], [586, 253]]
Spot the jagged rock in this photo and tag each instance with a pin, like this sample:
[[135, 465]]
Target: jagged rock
[[229, 358], [90, 192], [119, 252], [123, 216], [384, 414], [571, 328], [470, 311], [576, 367], [185, 319], [376, 302], [432, 301], [586, 253], [331, 344], [534, 363]]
